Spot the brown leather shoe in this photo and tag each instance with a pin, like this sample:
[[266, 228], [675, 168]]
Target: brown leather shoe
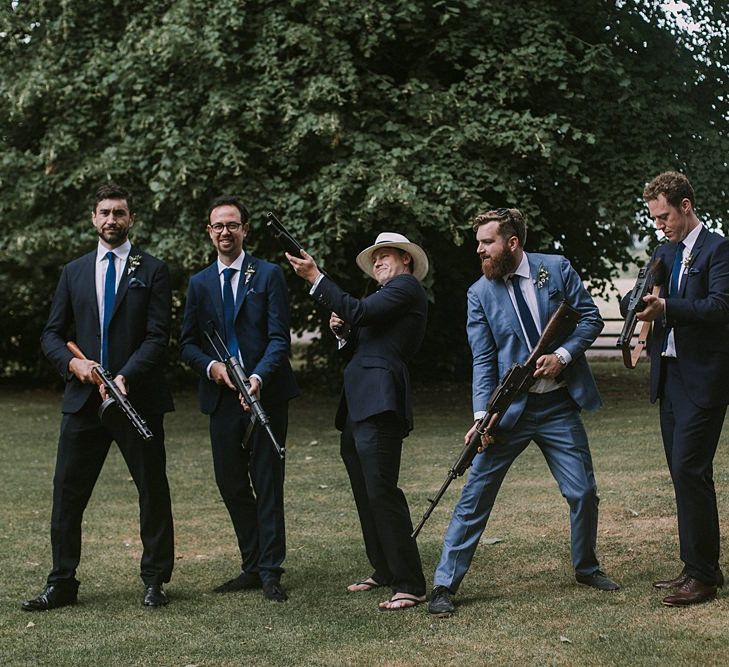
[[692, 591], [681, 579], [677, 582]]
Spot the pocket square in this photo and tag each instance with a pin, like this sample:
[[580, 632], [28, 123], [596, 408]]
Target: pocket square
[[136, 282]]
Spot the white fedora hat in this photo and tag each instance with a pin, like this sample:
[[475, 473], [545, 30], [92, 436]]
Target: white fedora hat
[[394, 240]]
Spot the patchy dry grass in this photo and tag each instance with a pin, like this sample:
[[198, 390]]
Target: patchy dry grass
[[518, 605]]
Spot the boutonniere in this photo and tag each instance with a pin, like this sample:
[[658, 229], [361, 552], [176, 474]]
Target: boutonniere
[[133, 263], [686, 262], [542, 277], [250, 270]]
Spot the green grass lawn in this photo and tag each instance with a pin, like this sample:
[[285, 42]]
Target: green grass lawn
[[519, 603]]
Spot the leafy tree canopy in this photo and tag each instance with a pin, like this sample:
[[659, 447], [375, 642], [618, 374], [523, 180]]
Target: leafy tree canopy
[[348, 118]]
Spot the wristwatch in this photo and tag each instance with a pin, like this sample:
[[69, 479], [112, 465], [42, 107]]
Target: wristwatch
[[560, 358]]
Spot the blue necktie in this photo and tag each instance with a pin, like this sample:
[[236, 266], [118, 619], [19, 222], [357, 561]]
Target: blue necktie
[[229, 312], [109, 298], [676, 270], [524, 313]]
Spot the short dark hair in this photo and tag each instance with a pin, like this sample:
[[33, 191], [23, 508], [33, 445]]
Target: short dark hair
[[673, 185], [229, 200], [511, 223], [113, 191]]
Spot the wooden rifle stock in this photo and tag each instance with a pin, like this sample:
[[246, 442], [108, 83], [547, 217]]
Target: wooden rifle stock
[[515, 383]]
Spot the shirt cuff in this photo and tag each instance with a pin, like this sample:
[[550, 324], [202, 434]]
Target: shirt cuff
[[207, 370], [564, 354], [316, 284], [479, 415]]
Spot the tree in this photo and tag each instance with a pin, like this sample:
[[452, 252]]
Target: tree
[[348, 118]]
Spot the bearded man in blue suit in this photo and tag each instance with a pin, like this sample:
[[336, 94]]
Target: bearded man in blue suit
[[690, 376], [115, 303], [507, 309], [246, 300]]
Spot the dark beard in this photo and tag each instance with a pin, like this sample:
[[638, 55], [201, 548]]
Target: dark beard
[[498, 267], [114, 237]]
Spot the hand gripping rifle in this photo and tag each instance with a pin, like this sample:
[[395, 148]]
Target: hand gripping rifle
[[650, 279], [115, 396], [515, 383], [243, 385]]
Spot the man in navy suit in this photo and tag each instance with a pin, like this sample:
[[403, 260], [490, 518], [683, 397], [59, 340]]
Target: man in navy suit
[[690, 376], [507, 309], [379, 335], [115, 302], [246, 300]]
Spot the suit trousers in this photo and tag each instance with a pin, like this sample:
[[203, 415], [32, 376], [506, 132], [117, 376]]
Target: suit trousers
[[690, 438], [553, 422], [251, 481], [371, 451], [82, 448]]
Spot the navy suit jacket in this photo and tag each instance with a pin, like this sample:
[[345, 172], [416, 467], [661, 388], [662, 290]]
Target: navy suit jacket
[[387, 329], [497, 340], [262, 325], [139, 330], [699, 315]]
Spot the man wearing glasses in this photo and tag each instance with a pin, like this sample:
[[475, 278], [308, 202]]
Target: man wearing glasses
[[246, 300], [507, 309]]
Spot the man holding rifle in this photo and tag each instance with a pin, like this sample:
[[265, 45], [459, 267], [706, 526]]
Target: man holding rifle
[[245, 300], [507, 309], [689, 374], [117, 301]]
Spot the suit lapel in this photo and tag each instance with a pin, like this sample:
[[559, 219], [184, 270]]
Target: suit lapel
[[246, 273], [541, 292], [88, 274], [502, 296], [212, 286], [692, 258], [121, 290]]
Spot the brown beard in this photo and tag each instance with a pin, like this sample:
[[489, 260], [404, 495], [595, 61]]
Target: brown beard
[[496, 267]]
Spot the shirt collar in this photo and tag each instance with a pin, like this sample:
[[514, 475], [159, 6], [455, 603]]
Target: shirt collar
[[237, 263], [691, 238], [522, 270], [122, 251]]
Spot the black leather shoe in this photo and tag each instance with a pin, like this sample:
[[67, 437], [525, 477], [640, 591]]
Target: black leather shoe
[[52, 597], [692, 591], [273, 591], [155, 596], [243, 582], [597, 579], [441, 604]]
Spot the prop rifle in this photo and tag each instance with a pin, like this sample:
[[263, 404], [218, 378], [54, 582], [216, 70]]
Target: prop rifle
[[281, 234], [243, 385], [116, 399], [650, 279], [515, 383]]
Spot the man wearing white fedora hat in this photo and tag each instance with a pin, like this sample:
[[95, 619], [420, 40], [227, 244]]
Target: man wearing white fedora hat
[[378, 336]]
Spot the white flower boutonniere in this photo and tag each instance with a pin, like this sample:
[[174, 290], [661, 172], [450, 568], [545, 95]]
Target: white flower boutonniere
[[133, 262], [687, 261], [250, 270], [542, 277]]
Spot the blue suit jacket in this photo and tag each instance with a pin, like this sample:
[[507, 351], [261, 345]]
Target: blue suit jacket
[[139, 330], [261, 324], [699, 316], [387, 329], [497, 341]]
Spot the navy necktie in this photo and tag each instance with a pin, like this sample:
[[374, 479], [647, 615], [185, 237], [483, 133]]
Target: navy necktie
[[524, 313], [109, 298], [676, 271], [229, 312]]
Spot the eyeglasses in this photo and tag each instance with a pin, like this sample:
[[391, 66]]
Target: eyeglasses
[[218, 227]]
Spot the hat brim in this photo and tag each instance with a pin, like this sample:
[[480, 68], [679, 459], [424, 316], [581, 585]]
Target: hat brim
[[420, 259]]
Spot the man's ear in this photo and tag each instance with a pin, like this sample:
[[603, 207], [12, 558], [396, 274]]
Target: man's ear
[[407, 258], [686, 206]]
